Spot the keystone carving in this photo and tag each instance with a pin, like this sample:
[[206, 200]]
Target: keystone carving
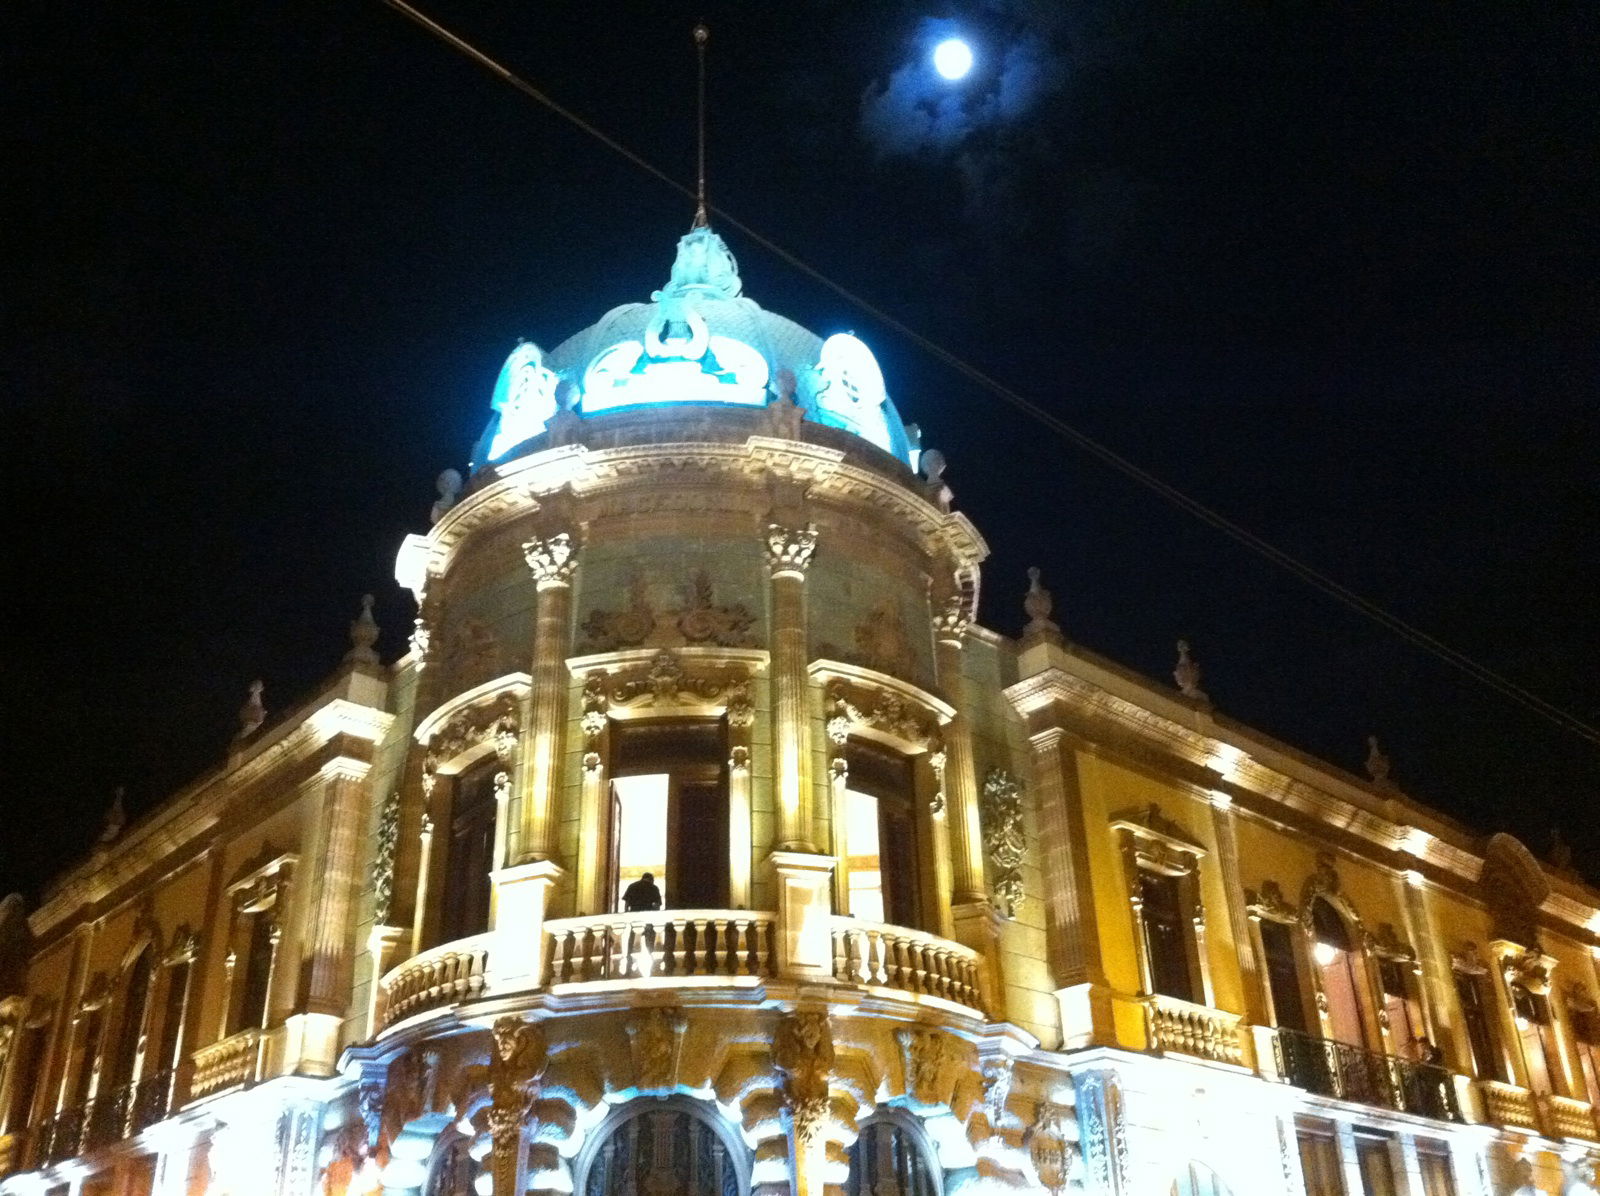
[[656, 1038], [802, 1050], [926, 1057], [516, 1065]]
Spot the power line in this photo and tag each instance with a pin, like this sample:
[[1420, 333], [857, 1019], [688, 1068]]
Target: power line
[[1306, 573]]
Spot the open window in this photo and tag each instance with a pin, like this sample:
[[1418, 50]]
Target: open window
[[669, 810], [1472, 993], [1339, 971], [1536, 1029], [882, 838], [470, 853], [1402, 1006]]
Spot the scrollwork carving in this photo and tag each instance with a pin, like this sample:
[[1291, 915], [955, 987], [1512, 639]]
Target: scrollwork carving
[[497, 724], [387, 841], [1004, 837], [700, 620], [926, 1056], [551, 559], [1052, 1146], [789, 549]]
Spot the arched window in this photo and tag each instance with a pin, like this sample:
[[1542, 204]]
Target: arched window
[[673, 1145], [881, 836], [892, 1157], [669, 810], [453, 1169], [1333, 948], [469, 856]]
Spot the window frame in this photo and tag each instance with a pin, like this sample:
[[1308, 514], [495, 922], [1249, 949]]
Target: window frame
[[1151, 842], [917, 1134]]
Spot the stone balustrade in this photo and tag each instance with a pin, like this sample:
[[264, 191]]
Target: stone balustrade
[[1508, 1105], [1184, 1028], [875, 953], [1567, 1117], [659, 945], [230, 1063], [443, 975]]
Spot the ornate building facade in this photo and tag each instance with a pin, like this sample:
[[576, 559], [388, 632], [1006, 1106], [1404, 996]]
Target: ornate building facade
[[935, 910]]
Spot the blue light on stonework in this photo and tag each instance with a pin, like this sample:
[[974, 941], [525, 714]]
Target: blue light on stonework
[[699, 368], [850, 390], [525, 397]]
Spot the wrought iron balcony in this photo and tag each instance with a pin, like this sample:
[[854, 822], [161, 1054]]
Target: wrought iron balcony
[[60, 1138], [1337, 1069]]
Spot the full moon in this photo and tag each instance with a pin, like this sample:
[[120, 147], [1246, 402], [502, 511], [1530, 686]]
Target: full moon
[[952, 58]]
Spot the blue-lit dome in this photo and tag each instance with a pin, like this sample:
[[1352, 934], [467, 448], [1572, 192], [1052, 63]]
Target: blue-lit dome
[[699, 342]]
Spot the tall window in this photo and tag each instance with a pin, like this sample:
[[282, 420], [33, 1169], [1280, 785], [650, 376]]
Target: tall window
[[250, 1010], [1487, 1059], [881, 836], [1338, 966], [1434, 1160], [89, 1027], [1375, 1157], [20, 1076], [1401, 1006], [135, 997], [470, 854], [671, 1145], [1320, 1164], [891, 1156], [669, 810], [173, 1011], [1283, 974], [1536, 1029], [1166, 935], [1586, 1038]]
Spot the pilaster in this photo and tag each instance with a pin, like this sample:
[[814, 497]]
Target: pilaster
[[521, 897], [330, 941], [804, 883], [789, 552], [552, 560]]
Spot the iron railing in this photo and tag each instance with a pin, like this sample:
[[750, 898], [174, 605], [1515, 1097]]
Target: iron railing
[[1337, 1069]]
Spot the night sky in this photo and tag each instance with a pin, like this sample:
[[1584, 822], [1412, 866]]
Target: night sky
[[1330, 269]]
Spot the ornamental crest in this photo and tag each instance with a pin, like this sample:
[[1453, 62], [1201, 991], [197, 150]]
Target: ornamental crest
[[1052, 1146], [698, 620], [656, 1037]]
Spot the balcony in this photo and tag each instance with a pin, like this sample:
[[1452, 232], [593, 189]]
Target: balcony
[[663, 948], [661, 945], [1509, 1106], [60, 1138], [1177, 1027], [1567, 1117], [224, 1065], [1346, 1072]]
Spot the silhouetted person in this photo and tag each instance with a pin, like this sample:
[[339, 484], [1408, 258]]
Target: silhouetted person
[[641, 895]]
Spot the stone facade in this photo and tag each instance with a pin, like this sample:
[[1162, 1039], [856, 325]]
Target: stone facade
[[1124, 945]]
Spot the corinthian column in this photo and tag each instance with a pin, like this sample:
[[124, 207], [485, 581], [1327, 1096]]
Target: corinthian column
[[789, 551], [553, 559]]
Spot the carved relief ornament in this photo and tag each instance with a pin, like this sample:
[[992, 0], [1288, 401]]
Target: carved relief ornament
[[477, 720], [656, 1039], [926, 1054], [1004, 837], [699, 620], [802, 1051], [790, 549]]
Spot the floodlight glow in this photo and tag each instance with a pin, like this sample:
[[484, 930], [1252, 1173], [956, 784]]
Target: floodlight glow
[[952, 58], [1324, 953]]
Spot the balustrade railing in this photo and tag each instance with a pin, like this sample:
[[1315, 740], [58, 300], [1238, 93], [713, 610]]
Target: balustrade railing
[[443, 975], [1568, 1117], [226, 1064], [660, 944], [1184, 1028], [898, 957], [1337, 1069], [1508, 1105]]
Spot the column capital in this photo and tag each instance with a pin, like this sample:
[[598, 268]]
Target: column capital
[[950, 623], [552, 559], [789, 549]]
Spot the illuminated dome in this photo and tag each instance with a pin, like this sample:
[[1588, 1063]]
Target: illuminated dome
[[698, 342]]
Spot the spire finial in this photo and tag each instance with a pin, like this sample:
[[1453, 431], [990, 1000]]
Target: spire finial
[[252, 714], [1187, 674], [701, 36], [1377, 762], [1039, 604], [363, 634]]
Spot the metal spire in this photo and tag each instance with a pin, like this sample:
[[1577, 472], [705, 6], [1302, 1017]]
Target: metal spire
[[701, 34]]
